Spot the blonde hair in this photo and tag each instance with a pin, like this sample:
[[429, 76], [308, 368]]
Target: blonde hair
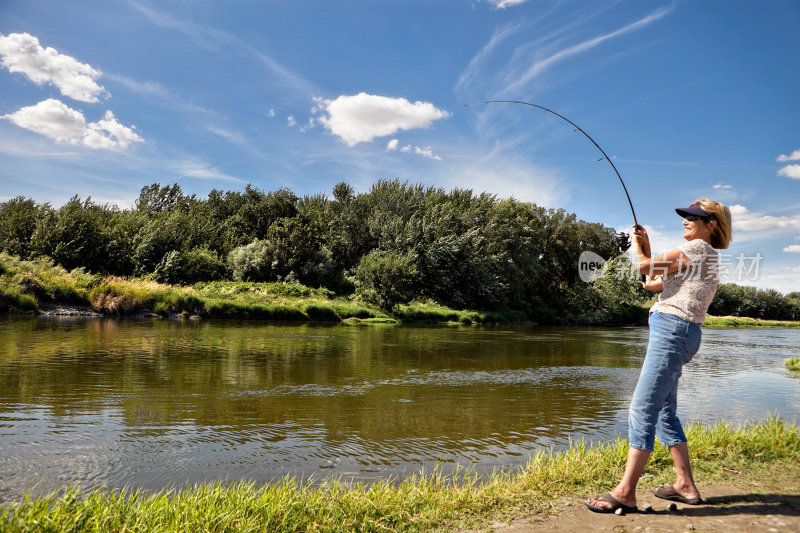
[[721, 233]]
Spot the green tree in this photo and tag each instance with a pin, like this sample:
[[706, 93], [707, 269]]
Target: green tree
[[18, 219]]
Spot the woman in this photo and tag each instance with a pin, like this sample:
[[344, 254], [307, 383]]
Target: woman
[[687, 278]]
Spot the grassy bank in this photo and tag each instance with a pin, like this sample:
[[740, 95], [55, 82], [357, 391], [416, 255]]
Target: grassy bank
[[793, 364], [27, 286], [721, 453], [747, 322]]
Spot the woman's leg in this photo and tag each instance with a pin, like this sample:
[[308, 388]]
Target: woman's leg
[[625, 491], [683, 469]]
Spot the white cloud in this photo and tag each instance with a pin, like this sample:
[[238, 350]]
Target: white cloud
[[794, 156], [391, 146], [363, 117], [21, 52], [790, 171], [310, 124], [271, 113], [744, 220], [794, 269], [291, 122], [795, 248], [426, 152], [502, 4], [722, 186], [52, 118]]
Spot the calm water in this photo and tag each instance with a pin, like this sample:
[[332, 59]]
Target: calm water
[[160, 403]]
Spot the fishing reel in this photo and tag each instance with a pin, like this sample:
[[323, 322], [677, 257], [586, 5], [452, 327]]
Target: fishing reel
[[623, 241]]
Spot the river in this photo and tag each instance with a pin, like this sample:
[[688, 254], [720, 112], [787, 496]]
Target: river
[[161, 403]]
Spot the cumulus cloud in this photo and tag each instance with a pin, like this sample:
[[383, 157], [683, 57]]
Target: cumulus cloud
[[291, 122], [363, 117], [794, 156], [795, 248], [790, 171], [744, 220], [391, 146], [52, 118], [722, 186], [21, 52], [426, 152]]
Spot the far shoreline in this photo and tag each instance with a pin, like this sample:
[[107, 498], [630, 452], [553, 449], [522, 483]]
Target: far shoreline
[[66, 310]]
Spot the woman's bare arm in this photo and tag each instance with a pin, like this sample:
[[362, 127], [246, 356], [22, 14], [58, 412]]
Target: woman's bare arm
[[660, 265]]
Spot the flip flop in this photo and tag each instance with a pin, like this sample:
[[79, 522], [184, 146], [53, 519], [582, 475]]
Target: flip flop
[[615, 504], [668, 492]]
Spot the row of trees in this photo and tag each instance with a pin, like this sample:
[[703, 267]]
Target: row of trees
[[392, 244], [735, 300]]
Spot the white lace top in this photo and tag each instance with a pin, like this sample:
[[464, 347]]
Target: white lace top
[[688, 292]]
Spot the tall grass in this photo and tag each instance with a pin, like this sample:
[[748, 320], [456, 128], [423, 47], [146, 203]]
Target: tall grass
[[746, 322], [419, 503], [793, 364]]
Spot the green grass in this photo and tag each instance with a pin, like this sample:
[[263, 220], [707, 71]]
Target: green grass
[[431, 312], [746, 322], [433, 502], [793, 364], [25, 285]]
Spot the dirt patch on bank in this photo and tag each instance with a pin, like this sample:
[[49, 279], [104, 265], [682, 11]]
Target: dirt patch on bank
[[727, 509]]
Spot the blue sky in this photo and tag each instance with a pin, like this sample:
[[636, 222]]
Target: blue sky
[[689, 98]]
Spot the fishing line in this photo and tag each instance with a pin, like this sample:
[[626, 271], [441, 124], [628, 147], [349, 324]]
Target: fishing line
[[622, 239]]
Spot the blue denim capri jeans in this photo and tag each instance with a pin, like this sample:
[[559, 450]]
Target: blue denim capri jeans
[[673, 343]]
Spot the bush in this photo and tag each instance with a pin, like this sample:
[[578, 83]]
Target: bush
[[252, 262], [386, 278], [187, 268]]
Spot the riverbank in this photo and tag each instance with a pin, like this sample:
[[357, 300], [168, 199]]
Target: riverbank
[[41, 287], [747, 322], [44, 288], [721, 454]]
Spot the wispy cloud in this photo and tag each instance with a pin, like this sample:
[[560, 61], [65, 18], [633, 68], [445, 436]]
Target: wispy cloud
[[722, 186], [794, 248], [541, 65], [209, 37], [196, 169], [160, 95], [503, 4], [499, 36]]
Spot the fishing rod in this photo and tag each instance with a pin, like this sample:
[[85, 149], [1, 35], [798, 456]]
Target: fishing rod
[[622, 239]]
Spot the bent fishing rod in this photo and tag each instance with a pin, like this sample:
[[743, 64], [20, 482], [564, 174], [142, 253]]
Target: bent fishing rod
[[622, 239]]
